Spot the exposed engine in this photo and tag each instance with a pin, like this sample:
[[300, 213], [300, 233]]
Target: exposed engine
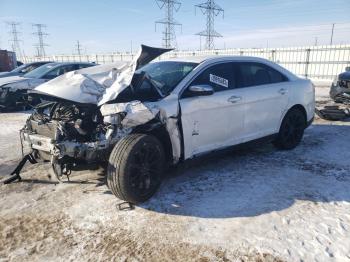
[[66, 121], [61, 130]]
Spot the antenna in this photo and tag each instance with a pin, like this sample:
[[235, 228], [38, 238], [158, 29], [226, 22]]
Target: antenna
[[14, 38], [169, 36], [40, 46], [210, 9]]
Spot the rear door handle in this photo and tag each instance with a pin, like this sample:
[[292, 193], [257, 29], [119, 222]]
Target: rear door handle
[[282, 91], [234, 99]]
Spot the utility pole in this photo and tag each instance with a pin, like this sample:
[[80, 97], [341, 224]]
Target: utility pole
[[79, 49], [40, 34], [15, 39], [332, 34], [169, 36], [211, 10], [316, 41]]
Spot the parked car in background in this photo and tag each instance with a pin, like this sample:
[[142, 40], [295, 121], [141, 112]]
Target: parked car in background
[[340, 89], [23, 69], [141, 117], [14, 89]]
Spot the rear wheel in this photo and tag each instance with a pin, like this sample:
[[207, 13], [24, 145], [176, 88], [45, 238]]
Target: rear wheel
[[292, 129], [135, 167]]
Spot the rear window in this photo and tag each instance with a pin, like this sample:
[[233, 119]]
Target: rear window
[[255, 74]]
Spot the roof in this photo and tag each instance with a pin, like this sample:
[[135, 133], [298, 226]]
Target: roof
[[207, 60], [216, 58]]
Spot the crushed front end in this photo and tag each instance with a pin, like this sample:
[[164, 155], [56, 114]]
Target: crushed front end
[[66, 134]]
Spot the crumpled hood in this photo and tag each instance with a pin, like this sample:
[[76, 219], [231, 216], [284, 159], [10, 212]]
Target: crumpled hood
[[99, 84]]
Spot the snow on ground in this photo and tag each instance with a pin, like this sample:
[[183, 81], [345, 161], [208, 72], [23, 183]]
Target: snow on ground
[[253, 204]]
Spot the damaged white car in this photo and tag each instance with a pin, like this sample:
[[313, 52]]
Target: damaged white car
[[141, 117]]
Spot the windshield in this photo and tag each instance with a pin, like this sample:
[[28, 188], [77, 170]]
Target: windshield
[[166, 75], [40, 71], [19, 69]]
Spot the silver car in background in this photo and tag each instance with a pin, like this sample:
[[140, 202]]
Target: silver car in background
[[14, 89], [23, 69]]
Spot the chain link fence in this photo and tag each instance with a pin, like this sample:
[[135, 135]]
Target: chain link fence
[[315, 62]]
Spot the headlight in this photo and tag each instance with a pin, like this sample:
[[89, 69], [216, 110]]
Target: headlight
[[335, 81]]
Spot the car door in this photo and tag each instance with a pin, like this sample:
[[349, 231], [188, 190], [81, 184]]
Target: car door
[[213, 121], [266, 98]]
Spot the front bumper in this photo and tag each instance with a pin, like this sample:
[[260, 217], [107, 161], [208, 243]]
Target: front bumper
[[49, 149]]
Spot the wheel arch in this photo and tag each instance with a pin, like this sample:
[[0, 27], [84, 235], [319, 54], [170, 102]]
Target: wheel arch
[[161, 133], [296, 106]]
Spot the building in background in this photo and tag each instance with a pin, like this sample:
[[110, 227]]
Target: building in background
[[8, 60]]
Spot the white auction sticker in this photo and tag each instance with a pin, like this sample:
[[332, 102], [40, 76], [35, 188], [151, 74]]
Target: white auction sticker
[[218, 80]]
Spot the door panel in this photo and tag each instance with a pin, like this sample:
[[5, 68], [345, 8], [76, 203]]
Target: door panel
[[266, 98], [212, 122], [264, 108]]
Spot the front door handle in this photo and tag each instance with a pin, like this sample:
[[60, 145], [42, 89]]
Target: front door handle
[[282, 91], [234, 99]]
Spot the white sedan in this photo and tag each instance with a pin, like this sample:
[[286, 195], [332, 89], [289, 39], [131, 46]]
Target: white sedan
[[144, 116]]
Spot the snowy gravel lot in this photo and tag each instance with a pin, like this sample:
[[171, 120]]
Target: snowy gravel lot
[[253, 204]]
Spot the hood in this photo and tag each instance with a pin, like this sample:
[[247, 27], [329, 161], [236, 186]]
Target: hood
[[18, 82], [99, 84], [11, 79], [6, 74], [345, 76]]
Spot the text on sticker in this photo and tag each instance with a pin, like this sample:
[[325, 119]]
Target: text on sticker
[[218, 80]]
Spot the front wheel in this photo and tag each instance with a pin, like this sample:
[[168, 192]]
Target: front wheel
[[292, 129], [135, 167]]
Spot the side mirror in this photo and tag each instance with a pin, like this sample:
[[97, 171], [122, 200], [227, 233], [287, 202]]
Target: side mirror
[[347, 69], [201, 90]]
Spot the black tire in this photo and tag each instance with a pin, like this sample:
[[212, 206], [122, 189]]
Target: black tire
[[292, 129], [135, 168]]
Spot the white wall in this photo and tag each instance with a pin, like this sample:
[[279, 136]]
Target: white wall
[[316, 62]]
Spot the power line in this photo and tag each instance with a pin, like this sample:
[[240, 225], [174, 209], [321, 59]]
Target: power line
[[169, 36], [211, 10], [15, 39], [40, 46]]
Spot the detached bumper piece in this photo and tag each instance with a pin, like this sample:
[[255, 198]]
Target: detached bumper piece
[[14, 176], [334, 113]]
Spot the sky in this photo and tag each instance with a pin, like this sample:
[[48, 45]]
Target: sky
[[105, 26]]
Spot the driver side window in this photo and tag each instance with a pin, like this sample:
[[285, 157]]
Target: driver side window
[[220, 77]]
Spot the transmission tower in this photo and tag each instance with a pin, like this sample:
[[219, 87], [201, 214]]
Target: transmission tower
[[79, 49], [211, 10], [15, 39], [169, 36], [40, 46]]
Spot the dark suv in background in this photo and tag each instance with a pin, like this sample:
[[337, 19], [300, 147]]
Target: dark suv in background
[[340, 89]]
